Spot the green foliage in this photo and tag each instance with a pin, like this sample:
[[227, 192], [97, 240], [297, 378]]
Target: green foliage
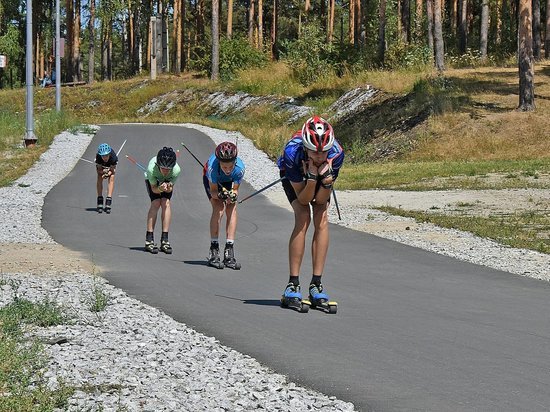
[[410, 56], [237, 54], [9, 45], [309, 56]]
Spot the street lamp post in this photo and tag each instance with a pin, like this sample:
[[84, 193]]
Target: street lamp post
[[30, 138], [57, 60]]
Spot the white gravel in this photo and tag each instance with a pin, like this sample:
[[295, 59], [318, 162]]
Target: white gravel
[[133, 357]]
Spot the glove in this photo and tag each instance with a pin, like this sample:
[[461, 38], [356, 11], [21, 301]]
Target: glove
[[106, 171], [232, 196], [223, 194], [325, 170]]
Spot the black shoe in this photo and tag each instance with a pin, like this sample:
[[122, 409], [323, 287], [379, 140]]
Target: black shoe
[[151, 247], [214, 256], [229, 257], [165, 247], [99, 204], [108, 203]]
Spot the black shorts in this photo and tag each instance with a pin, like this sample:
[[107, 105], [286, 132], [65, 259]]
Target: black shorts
[[289, 190], [155, 196], [206, 183]]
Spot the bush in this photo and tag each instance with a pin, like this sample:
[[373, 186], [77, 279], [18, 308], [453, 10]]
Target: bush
[[401, 55], [309, 56], [237, 54]]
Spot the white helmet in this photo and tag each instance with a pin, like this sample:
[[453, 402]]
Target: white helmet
[[317, 134]]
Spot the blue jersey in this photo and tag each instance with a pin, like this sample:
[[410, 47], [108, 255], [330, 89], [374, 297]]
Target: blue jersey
[[215, 174], [290, 161]]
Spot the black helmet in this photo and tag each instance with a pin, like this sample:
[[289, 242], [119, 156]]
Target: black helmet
[[226, 152], [166, 157]]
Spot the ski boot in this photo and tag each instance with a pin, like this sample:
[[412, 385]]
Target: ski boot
[[100, 204], [319, 299], [108, 202], [165, 246], [229, 258], [151, 247], [292, 298], [214, 257]]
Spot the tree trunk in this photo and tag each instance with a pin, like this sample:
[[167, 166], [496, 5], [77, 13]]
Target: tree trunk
[[330, 29], [484, 29], [418, 19], [91, 53], [351, 29], [430, 19], [69, 59], [275, 31], [454, 16], [229, 18], [260, 41], [525, 55], [498, 37], [547, 34], [405, 21], [463, 27], [77, 73], [382, 31], [438, 37], [215, 72], [358, 24], [176, 39], [537, 36], [251, 16]]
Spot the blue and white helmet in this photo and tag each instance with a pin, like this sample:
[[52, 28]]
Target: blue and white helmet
[[103, 149]]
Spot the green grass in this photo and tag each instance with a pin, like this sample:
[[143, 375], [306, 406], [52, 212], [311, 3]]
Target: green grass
[[22, 360], [528, 230]]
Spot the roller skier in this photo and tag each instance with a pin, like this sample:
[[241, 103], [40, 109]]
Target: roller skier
[[311, 161], [222, 175], [106, 162]]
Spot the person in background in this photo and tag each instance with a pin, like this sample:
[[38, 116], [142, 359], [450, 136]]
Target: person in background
[[160, 176], [222, 176], [106, 161]]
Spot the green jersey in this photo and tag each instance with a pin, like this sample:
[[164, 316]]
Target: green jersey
[[155, 177]]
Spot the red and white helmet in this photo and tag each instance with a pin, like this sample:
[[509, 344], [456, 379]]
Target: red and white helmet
[[317, 134]]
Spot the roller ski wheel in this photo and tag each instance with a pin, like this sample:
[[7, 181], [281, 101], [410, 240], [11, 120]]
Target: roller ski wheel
[[214, 258], [108, 203], [151, 247], [229, 260], [99, 204], [166, 247], [320, 300], [292, 299]]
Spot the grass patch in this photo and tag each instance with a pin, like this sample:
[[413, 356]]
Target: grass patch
[[446, 175], [23, 361], [528, 230]]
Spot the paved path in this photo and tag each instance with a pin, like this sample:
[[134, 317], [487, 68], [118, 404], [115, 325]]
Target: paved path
[[414, 331]]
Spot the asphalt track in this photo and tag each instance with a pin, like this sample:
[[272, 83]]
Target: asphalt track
[[414, 330]]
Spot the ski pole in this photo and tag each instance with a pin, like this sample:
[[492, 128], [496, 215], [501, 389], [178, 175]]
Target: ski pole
[[134, 161], [86, 160], [336, 203], [119, 150], [262, 189], [191, 153]]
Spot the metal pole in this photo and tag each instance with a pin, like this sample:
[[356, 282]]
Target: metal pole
[[57, 60], [30, 138]]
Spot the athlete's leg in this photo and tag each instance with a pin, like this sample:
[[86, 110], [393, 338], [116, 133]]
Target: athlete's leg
[[297, 243], [99, 183], [319, 246], [111, 186], [166, 214], [152, 215], [231, 220], [217, 213]]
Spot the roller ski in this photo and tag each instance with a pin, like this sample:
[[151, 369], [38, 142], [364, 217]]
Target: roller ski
[[229, 260], [100, 204], [292, 299], [214, 259], [320, 300], [165, 246], [151, 247], [108, 203]]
